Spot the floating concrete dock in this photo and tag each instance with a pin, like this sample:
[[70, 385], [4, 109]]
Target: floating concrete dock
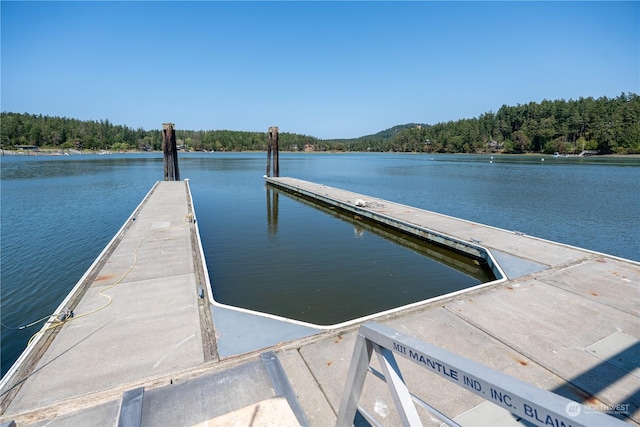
[[149, 346], [136, 313]]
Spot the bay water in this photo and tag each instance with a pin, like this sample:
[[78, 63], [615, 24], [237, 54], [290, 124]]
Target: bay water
[[268, 251]]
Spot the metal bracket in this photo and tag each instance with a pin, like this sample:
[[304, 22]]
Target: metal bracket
[[532, 404]]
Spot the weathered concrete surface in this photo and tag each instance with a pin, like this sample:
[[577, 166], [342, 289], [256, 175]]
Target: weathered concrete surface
[[84, 417], [546, 325], [611, 282], [274, 412], [139, 316], [192, 400], [312, 398]]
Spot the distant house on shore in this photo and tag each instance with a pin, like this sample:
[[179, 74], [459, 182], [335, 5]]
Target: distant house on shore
[[494, 145]]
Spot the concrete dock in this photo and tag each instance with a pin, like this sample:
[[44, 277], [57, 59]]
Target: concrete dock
[[561, 318]]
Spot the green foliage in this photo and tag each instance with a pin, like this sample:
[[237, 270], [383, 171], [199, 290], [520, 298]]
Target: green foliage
[[610, 125], [120, 146], [62, 132], [67, 145]]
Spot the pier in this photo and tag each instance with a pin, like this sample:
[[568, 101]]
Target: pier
[[148, 344]]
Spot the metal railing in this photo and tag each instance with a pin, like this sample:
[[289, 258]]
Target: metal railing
[[530, 403]]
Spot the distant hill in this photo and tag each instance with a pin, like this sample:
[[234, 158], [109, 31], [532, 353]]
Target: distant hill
[[393, 131], [383, 134]]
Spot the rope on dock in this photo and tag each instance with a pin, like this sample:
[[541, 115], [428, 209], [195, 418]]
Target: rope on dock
[[60, 319], [28, 325]]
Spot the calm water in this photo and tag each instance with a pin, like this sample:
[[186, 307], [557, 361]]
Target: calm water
[[58, 213]]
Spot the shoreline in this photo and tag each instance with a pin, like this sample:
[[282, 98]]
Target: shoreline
[[68, 152]]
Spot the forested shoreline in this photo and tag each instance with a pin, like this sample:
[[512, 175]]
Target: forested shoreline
[[605, 125]]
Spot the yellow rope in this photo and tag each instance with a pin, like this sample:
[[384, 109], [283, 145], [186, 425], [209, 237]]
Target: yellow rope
[[56, 323]]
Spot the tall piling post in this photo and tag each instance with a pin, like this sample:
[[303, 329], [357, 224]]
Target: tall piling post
[[269, 148], [272, 149], [170, 149], [276, 153]]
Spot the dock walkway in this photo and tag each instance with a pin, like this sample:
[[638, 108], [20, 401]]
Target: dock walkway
[[136, 312], [563, 318]]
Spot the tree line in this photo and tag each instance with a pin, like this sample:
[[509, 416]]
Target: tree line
[[606, 125]]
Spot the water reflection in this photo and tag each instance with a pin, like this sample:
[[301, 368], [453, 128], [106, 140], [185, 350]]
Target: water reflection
[[312, 267], [474, 267], [323, 265], [272, 212]]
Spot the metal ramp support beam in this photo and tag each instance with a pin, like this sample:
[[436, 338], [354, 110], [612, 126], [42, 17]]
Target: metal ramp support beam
[[130, 414], [282, 386], [532, 404]]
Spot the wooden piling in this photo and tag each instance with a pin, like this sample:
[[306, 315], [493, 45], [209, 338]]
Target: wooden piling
[[272, 149], [276, 153], [170, 149], [269, 147]]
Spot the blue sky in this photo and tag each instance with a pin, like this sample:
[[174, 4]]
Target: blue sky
[[327, 69]]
